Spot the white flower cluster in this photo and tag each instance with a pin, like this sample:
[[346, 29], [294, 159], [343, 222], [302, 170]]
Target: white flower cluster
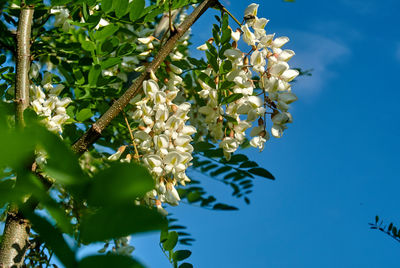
[[61, 17], [269, 61], [162, 137], [46, 103]]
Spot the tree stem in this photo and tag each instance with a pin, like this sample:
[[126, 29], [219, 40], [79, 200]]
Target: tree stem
[[23, 62], [82, 144], [15, 240]]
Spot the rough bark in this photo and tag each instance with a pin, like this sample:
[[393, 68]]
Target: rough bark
[[15, 240], [83, 143], [23, 62]]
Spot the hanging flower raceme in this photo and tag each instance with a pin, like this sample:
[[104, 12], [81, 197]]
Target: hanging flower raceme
[[45, 101], [163, 138], [254, 99]]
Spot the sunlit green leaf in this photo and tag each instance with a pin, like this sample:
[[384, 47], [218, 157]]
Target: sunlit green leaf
[[136, 9], [171, 242]]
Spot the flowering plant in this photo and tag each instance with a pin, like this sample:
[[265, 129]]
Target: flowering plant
[[118, 75]]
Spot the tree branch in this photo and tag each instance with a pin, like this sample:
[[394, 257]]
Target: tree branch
[[23, 62], [82, 144], [15, 241]]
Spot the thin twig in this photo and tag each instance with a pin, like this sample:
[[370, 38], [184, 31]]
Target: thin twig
[[233, 17], [131, 134]]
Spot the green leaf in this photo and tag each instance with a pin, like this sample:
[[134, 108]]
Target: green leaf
[[206, 79], [94, 74], [231, 119], [106, 5], [220, 206], [88, 45], [120, 7], [110, 62], [227, 85], [171, 242], [215, 32], [109, 45], [394, 231], [214, 153], [220, 171], [194, 196], [202, 146], [136, 9], [125, 49], [212, 60], [262, 172], [16, 146], [84, 114], [119, 183], [163, 235], [3, 59], [106, 32], [248, 164], [151, 16], [79, 78], [181, 255], [231, 98], [226, 36], [53, 239], [66, 73], [62, 163], [109, 260], [117, 221], [59, 2], [238, 158], [225, 67], [186, 265]]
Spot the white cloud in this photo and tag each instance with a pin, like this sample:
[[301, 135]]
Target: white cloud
[[321, 54]]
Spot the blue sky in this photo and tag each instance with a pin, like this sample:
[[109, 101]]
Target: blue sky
[[337, 164]]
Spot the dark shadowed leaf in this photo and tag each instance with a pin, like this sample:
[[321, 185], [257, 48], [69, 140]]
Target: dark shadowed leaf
[[221, 206], [107, 261], [248, 164], [202, 146], [181, 255], [53, 239], [186, 265], [262, 172], [119, 183], [117, 221]]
